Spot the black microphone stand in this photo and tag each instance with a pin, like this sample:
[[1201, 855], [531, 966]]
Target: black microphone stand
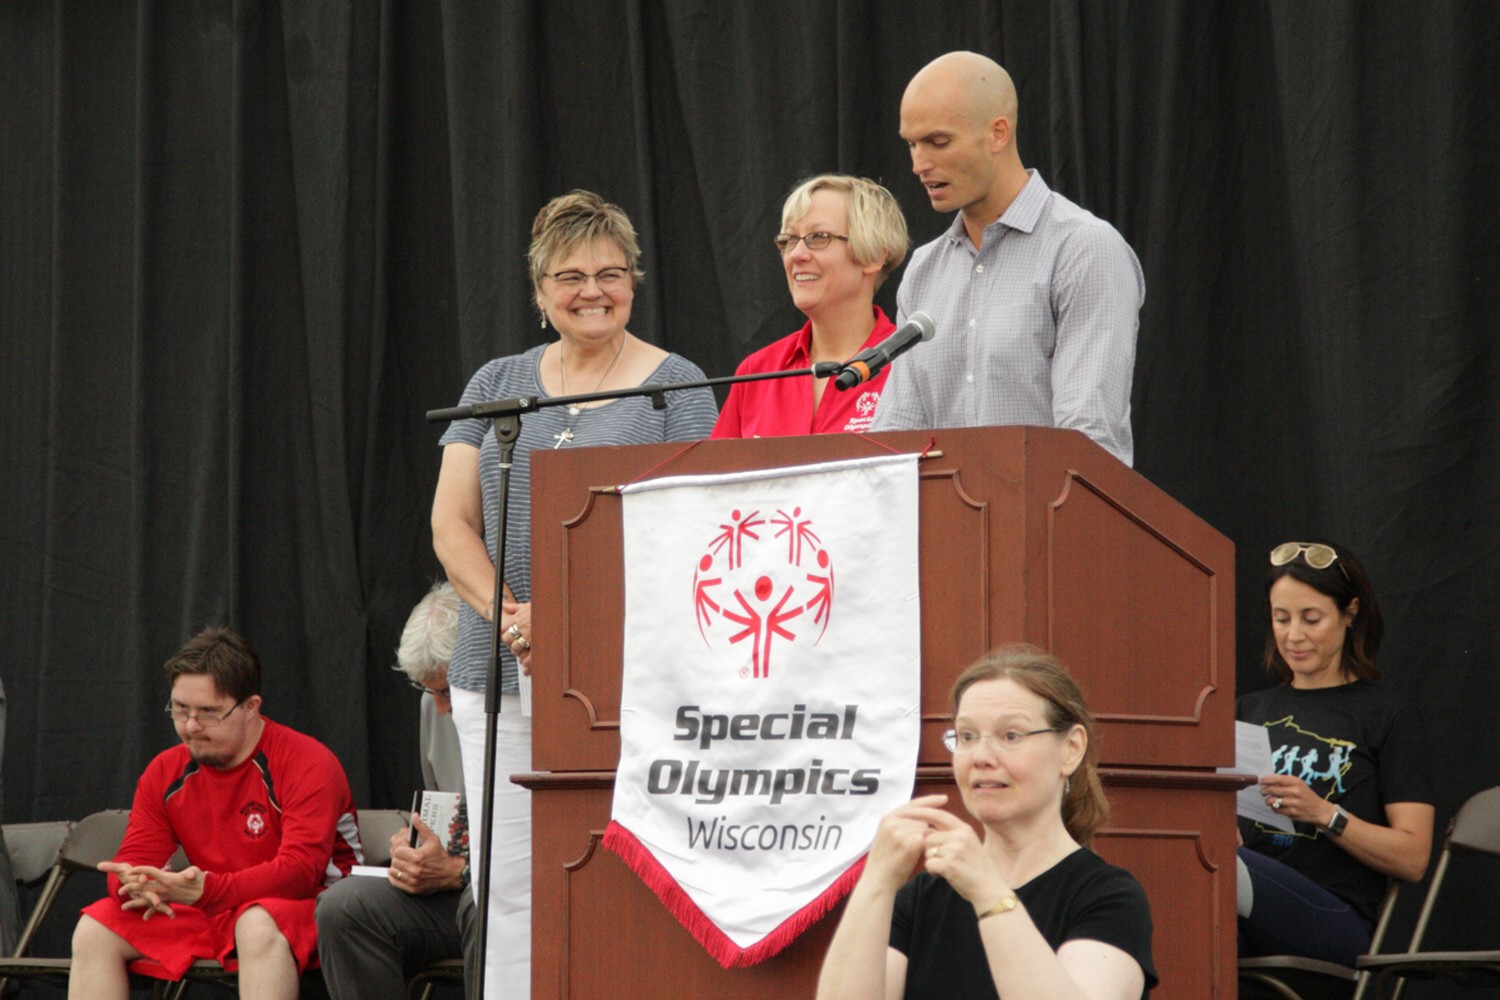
[[506, 414]]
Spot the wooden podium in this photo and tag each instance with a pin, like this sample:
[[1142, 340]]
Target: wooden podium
[[1026, 534]]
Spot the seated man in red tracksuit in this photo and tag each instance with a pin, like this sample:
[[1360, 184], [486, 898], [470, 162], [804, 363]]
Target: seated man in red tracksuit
[[265, 818]]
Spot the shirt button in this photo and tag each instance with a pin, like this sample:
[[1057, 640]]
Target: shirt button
[[969, 377], [971, 321], [979, 268]]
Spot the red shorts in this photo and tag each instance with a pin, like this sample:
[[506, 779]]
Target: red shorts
[[171, 944]]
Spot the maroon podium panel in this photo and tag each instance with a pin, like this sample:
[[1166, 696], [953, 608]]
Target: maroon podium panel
[[1026, 534]]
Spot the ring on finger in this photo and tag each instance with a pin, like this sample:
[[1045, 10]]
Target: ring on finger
[[1276, 804], [514, 631], [525, 644]]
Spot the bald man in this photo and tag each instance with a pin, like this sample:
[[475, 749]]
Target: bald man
[[1036, 300]]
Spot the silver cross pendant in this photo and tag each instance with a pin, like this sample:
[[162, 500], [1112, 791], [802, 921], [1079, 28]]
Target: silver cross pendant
[[563, 437]]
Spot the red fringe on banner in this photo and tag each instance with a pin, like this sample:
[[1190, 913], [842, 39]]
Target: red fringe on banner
[[680, 905]]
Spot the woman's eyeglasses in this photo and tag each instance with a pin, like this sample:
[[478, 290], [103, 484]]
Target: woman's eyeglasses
[[814, 241], [967, 741], [609, 279]]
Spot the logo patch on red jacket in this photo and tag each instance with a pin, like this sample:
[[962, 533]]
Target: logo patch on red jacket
[[255, 818]]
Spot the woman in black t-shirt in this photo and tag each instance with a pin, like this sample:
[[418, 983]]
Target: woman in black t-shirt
[[1351, 767], [1023, 909]]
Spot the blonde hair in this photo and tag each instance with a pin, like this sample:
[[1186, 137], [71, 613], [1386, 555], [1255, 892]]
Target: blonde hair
[[1084, 808], [877, 229], [577, 219]]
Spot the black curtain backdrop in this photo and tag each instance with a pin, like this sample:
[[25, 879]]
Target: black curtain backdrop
[[246, 244]]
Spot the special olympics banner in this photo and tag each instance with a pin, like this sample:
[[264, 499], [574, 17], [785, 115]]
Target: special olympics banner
[[769, 711]]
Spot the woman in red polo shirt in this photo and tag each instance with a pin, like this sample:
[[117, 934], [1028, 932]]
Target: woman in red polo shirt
[[841, 237]]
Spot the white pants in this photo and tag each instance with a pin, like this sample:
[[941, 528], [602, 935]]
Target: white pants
[[507, 967]]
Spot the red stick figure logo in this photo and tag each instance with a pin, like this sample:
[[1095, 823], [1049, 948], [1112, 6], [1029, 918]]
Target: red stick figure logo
[[763, 580]]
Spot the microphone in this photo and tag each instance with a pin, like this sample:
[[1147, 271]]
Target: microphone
[[872, 360]]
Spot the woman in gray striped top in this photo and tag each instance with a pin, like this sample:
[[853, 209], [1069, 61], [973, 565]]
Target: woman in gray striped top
[[585, 264]]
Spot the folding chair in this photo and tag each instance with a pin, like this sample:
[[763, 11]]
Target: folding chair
[[376, 827], [1474, 830], [427, 978], [1292, 977], [34, 850], [93, 839]]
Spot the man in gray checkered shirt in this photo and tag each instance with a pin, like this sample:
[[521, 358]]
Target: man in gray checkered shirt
[[1036, 300]]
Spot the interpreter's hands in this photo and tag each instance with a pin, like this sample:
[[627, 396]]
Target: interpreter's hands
[[1291, 798], [900, 840], [515, 629], [154, 890], [952, 852], [426, 868]]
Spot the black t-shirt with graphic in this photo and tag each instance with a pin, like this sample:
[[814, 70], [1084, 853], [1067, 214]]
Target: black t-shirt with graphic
[[1357, 745], [1081, 896]]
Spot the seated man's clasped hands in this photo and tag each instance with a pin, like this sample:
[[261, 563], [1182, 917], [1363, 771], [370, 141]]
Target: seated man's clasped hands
[[153, 890]]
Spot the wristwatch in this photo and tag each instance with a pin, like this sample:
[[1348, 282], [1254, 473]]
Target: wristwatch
[[1007, 903], [1336, 825], [463, 878]]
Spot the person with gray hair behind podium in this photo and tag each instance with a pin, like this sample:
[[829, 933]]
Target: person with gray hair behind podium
[[372, 934]]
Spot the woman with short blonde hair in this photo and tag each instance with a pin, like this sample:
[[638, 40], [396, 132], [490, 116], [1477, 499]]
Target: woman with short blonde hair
[[841, 238]]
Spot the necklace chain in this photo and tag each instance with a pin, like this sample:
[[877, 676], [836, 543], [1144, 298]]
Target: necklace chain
[[575, 411]]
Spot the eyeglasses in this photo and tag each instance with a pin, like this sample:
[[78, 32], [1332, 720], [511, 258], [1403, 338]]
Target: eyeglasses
[[435, 692], [205, 720], [1315, 554], [609, 278], [968, 741], [815, 241]]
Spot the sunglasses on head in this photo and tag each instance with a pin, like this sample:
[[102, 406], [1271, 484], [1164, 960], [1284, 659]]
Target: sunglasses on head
[[1315, 554]]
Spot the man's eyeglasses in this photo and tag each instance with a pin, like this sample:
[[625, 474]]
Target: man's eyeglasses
[[205, 720], [609, 278], [435, 692], [967, 741], [815, 241]]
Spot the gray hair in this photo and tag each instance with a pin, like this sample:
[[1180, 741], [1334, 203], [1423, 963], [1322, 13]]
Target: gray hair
[[427, 641]]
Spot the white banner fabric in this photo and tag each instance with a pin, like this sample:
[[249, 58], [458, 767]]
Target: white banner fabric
[[769, 710]]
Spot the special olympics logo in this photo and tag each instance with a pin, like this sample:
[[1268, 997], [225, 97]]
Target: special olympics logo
[[866, 403], [255, 819], [761, 579]]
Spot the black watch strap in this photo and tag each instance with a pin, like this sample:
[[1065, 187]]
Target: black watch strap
[[1340, 820]]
